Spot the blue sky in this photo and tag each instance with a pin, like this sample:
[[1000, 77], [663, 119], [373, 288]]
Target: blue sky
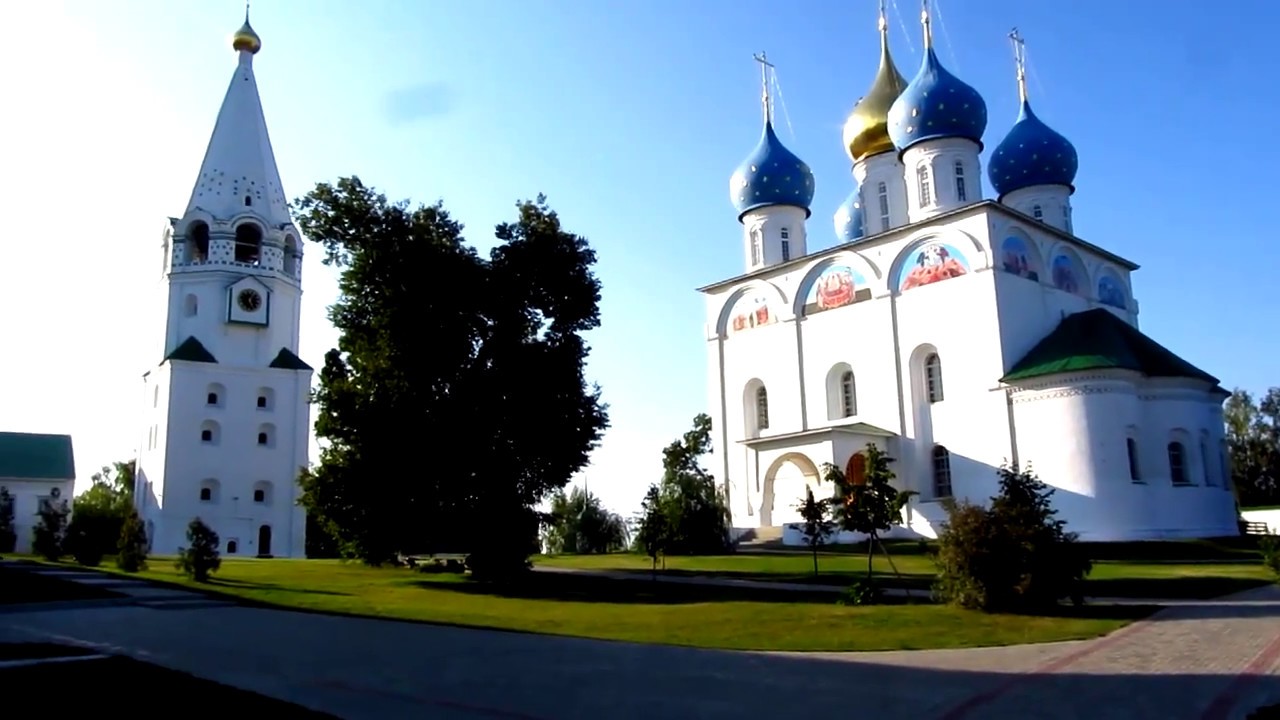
[[630, 116]]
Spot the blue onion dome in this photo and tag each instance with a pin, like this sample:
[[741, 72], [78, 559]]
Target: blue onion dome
[[1032, 154], [771, 175], [850, 222], [935, 105]]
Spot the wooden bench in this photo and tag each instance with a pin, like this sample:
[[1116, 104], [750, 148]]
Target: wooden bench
[[1255, 528], [449, 562]]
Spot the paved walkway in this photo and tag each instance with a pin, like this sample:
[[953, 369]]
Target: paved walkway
[[1211, 660]]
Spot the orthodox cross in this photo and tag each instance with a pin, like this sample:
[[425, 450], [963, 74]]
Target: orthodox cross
[[765, 67], [1020, 61]]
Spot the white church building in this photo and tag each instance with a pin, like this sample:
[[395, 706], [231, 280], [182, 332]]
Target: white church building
[[956, 332], [227, 416]]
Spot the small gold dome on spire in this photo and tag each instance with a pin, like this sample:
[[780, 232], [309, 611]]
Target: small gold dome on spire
[[245, 38], [866, 131]]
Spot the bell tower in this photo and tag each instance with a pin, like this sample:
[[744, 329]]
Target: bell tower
[[227, 416]]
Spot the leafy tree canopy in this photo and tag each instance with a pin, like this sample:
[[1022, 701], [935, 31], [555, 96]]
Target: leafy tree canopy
[[455, 401], [579, 523], [1253, 438], [685, 514]]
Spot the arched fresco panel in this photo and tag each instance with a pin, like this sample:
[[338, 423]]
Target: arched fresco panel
[[754, 306], [1111, 290], [932, 262], [1068, 272], [833, 285], [1018, 256]]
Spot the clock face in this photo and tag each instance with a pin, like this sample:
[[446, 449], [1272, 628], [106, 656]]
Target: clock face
[[249, 300]]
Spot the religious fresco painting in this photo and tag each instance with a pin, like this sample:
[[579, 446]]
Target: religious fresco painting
[[1016, 259], [931, 263], [1066, 275], [752, 310], [836, 286], [1111, 292]]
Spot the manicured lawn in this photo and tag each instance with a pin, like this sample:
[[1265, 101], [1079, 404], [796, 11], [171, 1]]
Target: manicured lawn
[[640, 610], [100, 687], [17, 586], [1158, 570]]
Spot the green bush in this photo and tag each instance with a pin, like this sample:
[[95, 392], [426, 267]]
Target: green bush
[[1269, 545], [8, 538], [1013, 556], [202, 558], [131, 549], [49, 536], [862, 591]]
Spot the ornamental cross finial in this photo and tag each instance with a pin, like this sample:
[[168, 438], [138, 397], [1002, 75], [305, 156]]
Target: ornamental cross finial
[[883, 22], [765, 66], [1020, 62], [924, 20]]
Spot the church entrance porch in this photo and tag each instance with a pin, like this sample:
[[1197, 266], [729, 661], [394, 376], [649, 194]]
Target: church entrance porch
[[780, 468]]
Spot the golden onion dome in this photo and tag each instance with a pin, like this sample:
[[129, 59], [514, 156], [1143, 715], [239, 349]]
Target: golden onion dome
[[245, 38], [866, 131]]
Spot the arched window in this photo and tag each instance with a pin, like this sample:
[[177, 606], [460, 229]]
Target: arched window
[[215, 394], [848, 394], [961, 195], [883, 192], [190, 305], [925, 188], [933, 377], [290, 256], [1037, 212], [266, 399], [262, 492], [941, 472], [209, 432], [248, 243], [197, 242], [1132, 446], [209, 490], [762, 408], [232, 547], [1178, 463], [757, 246]]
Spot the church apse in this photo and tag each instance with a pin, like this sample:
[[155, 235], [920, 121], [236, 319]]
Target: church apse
[[931, 263], [834, 286]]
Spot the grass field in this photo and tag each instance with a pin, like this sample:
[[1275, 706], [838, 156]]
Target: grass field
[[641, 611], [1193, 569]]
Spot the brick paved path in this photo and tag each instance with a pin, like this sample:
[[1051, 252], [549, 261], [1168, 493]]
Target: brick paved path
[[1212, 660]]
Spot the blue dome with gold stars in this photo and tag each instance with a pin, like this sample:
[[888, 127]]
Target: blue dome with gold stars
[[1032, 154], [935, 105], [771, 175], [851, 223]]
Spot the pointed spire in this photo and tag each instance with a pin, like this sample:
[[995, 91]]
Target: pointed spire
[[239, 173], [884, 25], [765, 98], [924, 21], [1020, 62]]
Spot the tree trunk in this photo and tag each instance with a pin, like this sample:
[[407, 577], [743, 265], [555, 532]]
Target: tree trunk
[[871, 548], [889, 557], [815, 561]]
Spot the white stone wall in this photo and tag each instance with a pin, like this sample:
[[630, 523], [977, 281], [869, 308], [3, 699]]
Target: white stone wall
[[772, 235], [948, 163], [872, 172], [232, 464]]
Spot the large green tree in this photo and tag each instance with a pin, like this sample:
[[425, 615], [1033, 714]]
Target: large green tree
[[579, 523], [455, 401], [686, 513], [1253, 437], [869, 504], [99, 513]]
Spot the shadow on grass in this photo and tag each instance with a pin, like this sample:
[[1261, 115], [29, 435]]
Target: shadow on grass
[[215, 582], [641, 590], [21, 585], [1176, 588]]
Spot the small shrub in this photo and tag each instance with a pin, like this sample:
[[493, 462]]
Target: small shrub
[[49, 537], [132, 547], [202, 558], [862, 592], [8, 538], [1014, 556], [1269, 545], [83, 546]]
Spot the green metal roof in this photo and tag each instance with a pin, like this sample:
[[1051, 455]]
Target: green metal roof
[[192, 350], [286, 360], [1098, 340], [31, 456]]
